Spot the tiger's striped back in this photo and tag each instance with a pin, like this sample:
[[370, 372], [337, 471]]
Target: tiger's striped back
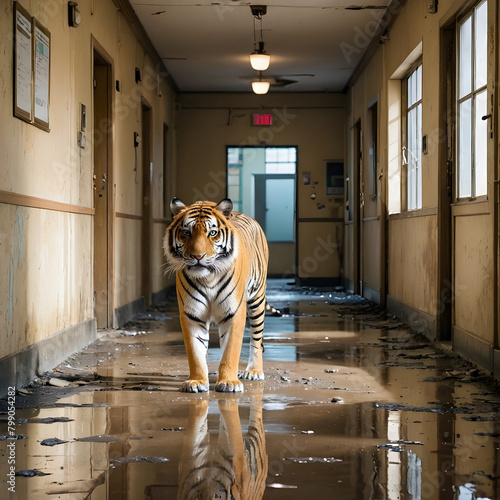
[[255, 240]]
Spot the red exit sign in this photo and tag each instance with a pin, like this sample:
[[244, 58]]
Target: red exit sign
[[262, 119]]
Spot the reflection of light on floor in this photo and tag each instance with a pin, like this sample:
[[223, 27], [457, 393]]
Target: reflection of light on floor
[[272, 352], [414, 475], [467, 491], [393, 457]]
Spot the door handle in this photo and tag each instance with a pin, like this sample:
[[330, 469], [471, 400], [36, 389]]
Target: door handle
[[103, 182], [488, 117]]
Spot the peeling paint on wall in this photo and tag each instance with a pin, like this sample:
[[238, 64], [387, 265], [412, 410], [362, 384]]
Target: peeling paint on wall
[[18, 236], [11, 295]]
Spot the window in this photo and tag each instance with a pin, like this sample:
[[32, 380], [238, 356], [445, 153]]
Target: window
[[261, 184], [472, 104], [412, 147], [281, 160]]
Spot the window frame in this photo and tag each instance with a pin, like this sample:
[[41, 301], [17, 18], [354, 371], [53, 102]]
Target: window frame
[[471, 95], [405, 109]]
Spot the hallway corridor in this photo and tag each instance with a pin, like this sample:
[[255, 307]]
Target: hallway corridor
[[354, 406]]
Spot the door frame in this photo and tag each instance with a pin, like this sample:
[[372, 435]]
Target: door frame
[[147, 205], [446, 155], [357, 215], [105, 57]]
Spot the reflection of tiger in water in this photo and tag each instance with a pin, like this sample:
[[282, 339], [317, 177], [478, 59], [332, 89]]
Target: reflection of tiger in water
[[220, 257], [236, 468]]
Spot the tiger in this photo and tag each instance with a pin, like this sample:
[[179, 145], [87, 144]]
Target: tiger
[[234, 466], [220, 258]]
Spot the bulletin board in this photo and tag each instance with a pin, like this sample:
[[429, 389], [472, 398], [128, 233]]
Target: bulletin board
[[32, 47]]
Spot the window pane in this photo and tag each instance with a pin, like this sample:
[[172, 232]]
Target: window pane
[[233, 156], [283, 154], [415, 158], [280, 168], [233, 180], [414, 141], [419, 83], [271, 154], [480, 145], [411, 162], [465, 149], [481, 37], [465, 58], [233, 193], [410, 91], [418, 152]]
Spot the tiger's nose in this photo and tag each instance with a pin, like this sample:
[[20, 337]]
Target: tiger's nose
[[198, 257]]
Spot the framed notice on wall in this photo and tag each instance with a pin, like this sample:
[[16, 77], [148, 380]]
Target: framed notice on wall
[[41, 75], [23, 58], [31, 69]]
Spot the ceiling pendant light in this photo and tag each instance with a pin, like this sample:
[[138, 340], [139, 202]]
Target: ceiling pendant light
[[259, 60], [260, 86]]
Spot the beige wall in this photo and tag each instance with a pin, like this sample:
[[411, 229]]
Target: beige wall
[[46, 185], [207, 123], [423, 243]]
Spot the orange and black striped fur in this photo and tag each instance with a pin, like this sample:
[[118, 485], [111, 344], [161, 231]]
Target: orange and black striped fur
[[235, 465], [220, 258]]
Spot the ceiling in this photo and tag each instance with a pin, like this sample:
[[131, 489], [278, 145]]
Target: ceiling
[[316, 44]]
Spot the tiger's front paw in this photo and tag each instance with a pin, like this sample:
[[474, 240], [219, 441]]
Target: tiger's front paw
[[229, 386], [194, 386], [251, 375]]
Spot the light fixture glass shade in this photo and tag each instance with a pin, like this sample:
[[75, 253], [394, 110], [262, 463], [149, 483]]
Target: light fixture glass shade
[[259, 62], [260, 87]]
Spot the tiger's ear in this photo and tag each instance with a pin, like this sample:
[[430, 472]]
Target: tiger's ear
[[225, 207], [176, 206]]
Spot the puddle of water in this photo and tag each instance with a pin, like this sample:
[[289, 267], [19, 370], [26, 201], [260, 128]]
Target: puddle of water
[[131, 434]]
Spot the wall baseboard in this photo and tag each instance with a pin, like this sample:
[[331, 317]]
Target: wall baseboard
[[167, 293], [329, 282], [21, 368], [417, 320], [348, 285], [371, 294], [476, 350], [125, 313]]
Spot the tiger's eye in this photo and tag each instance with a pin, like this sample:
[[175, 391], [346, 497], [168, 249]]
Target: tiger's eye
[[213, 232], [185, 232]]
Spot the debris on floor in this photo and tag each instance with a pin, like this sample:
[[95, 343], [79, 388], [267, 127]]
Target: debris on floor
[[412, 422]]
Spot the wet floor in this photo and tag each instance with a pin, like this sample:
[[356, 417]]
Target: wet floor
[[354, 406]]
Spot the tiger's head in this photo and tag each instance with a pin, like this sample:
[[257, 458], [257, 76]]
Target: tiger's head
[[200, 239]]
